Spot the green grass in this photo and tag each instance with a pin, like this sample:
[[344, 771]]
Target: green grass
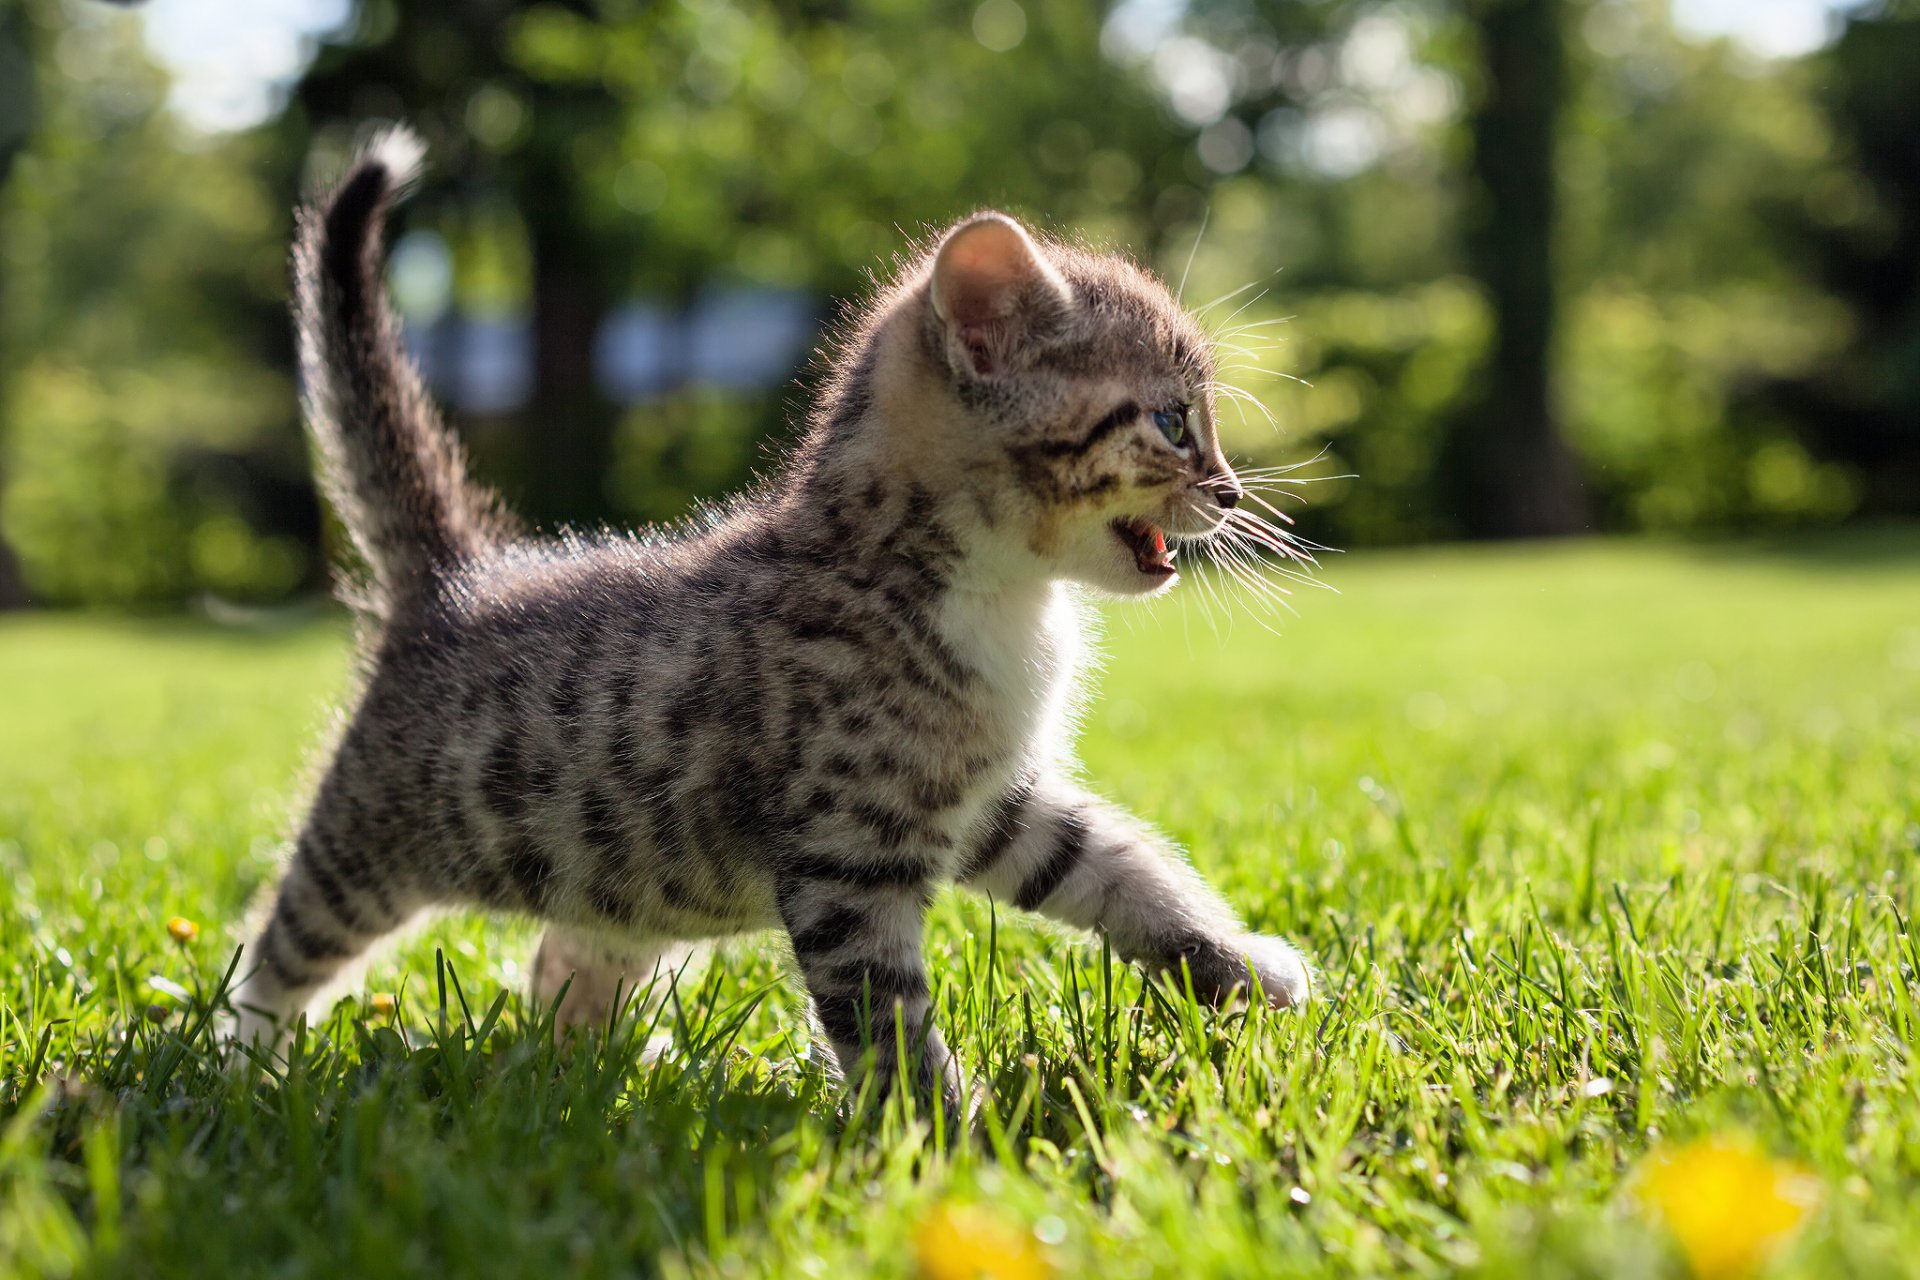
[[1544, 817]]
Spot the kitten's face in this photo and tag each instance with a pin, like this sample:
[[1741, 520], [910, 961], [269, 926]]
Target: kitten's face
[[1089, 395]]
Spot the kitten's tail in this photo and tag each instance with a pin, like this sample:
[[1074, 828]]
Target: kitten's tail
[[394, 474]]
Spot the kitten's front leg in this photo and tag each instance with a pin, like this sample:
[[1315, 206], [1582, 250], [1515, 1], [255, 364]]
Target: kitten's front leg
[[1054, 848], [857, 934]]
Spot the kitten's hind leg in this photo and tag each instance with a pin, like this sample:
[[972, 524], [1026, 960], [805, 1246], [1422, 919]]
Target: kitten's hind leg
[[599, 971], [329, 910]]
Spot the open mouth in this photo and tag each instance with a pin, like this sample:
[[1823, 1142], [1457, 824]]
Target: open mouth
[[1148, 545]]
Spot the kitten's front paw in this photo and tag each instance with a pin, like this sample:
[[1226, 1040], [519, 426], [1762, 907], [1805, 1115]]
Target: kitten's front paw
[[1284, 978], [1227, 970]]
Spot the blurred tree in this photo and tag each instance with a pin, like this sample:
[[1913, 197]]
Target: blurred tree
[[18, 40], [1509, 470], [1863, 408], [1681, 161], [150, 431], [22, 43]]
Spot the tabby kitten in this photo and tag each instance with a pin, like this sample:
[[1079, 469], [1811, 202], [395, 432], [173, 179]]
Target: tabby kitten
[[806, 709]]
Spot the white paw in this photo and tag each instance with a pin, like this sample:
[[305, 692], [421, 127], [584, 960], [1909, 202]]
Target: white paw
[[1285, 979], [250, 1030], [254, 1021]]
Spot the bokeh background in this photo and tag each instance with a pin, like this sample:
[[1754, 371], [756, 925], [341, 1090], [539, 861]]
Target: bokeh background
[[1495, 268]]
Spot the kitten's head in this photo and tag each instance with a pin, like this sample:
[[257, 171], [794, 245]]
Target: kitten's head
[[1079, 403]]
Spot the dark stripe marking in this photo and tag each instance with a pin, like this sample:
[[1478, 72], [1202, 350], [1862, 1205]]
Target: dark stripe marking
[[843, 1018], [500, 781], [1068, 846], [886, 982], [332, 892], [1120, 417], [898, 873], [1005, 828], [530, 869], [309, 945], [896, 828], [831, 931]]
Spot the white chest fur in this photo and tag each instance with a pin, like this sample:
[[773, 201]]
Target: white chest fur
[[1025, 645]]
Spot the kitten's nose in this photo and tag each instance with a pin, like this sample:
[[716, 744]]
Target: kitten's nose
[[1229, 494]]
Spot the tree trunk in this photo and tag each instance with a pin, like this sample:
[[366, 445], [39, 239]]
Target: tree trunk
[[16, 122], [568, 427], [1508, 470], [567, 430], [13, 590]]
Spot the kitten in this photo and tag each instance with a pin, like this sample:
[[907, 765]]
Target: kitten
[[807, 709]]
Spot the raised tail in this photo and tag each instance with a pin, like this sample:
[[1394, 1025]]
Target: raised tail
[[395, 476]]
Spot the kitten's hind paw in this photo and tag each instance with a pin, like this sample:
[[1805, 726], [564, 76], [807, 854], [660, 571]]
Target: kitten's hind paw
[[254, 1017]]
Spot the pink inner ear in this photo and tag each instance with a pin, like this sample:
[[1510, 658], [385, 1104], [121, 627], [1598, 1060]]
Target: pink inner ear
[[980, 273]]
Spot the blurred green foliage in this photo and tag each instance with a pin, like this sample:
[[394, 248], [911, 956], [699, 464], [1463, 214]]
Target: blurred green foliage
[[145, 351], [1681, 166], [1716, 367]]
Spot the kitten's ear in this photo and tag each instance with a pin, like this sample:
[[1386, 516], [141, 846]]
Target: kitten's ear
[[993, 288]]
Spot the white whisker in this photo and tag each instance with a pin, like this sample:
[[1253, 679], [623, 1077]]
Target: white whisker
[[1251, 325], [1243, 306], [1242, 398], [1206, 216], [1224, 298], [1264, 596]]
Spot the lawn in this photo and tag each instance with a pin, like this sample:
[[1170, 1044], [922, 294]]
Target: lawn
[[1603, 851]]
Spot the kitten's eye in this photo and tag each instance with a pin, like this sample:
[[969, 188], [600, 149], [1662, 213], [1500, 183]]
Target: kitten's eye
[[1172, 423]]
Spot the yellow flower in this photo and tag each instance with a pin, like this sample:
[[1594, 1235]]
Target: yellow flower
[[382, 1003], [956, 1242], [1728, 1204], [181, 929]]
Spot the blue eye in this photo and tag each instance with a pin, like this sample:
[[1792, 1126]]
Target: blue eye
[[1172, 423]]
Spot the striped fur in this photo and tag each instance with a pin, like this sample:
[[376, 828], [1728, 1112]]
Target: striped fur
[[805, 710]]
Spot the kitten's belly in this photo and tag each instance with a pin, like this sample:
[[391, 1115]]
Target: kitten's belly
[[742, 903]]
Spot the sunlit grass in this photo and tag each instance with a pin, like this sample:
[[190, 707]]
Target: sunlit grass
[[1601, 850]]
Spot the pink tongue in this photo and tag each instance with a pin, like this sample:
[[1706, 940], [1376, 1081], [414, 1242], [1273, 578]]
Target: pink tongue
[[1159, 543]]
